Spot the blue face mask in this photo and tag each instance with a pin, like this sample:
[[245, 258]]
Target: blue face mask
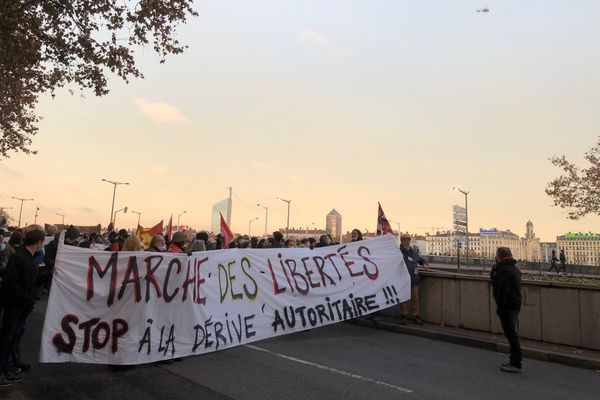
[[2, 246]]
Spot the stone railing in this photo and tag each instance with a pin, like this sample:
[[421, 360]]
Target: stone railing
[[556, 313]]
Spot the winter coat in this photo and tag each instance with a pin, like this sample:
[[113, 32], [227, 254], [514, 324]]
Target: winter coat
[[19, 285], [506, 285]]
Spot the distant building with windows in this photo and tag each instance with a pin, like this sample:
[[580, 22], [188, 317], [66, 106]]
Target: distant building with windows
[[333, 225], [580, 248], [486, 242]]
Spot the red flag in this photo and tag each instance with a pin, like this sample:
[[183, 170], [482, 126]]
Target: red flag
[[225, 232], [145, 234], [383, 225], [170, 227]]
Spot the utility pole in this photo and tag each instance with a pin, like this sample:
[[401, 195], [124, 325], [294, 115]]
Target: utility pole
[[36, 215]]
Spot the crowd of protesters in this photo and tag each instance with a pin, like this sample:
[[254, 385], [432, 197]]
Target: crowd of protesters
[[27, 259]]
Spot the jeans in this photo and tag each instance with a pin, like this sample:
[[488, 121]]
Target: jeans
[[508, 319], [13, 325]]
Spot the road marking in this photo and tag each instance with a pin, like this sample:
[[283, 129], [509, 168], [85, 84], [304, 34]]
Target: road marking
[[333, 370]]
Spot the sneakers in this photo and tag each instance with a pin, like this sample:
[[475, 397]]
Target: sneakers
[[12, 378], [510, 368], [418, 320]]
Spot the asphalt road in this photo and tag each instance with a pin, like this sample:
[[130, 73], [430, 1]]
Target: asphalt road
[[343, 361]]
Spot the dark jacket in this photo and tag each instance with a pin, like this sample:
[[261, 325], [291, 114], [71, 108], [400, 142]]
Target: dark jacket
[[19, 285], [506, 285], [412, 261], [50, 253]]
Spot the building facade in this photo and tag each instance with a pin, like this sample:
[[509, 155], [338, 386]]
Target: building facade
[[486, 242], [580, 248]]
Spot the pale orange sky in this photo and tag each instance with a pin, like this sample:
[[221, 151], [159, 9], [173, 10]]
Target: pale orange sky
[[335, 105]]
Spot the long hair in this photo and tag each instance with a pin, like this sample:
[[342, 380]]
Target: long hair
[[132, 244]]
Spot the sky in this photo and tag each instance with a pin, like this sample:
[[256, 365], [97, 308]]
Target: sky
[[337, 104]]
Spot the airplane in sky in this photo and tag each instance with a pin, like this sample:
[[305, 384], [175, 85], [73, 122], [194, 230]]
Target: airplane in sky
[[483, 10]]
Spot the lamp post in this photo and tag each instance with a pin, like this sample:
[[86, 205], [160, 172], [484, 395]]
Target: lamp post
[[63, 218], [139, 214], [179, 216], [250, 225], [21, 209], [466, 193], [287, 226], [266, 217], [114, 220], [112, 208], [307, 226], [36, 215]]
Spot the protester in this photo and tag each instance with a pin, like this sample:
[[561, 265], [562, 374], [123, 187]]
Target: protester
[[553, 260], [177, 243], [277, 240], [324, 241], [157, 244], [290, 243], [18, 298], [132, 243], [506, 284], [254, 242], [563, 261], [197, 245], [356, 235], [72, 236], [412, 261], [113, 242], [122, 237]]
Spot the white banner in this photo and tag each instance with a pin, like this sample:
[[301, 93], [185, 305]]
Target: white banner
[[140, 307]]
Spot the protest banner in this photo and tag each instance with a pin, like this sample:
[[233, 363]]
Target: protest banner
[[136, 307]]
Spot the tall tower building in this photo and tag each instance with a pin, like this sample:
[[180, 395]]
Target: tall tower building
[[529, 233], [333, 225]]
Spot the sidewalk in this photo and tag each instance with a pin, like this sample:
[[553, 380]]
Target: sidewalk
[[568, 355]]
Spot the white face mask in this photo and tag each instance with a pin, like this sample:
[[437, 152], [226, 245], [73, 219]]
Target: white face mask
[[162, 248]]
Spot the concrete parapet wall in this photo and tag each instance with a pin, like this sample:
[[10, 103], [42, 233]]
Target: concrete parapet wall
[[555, 313]]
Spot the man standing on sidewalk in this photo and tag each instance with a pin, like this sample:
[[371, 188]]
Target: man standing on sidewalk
[[506, 285]]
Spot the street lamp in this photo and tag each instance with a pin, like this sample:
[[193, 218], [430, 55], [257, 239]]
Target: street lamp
[[21, 209], [250, 225], [63, 218], [36, 215], [266, 216], [179, 216], [466, 193], [287, 227], [113, 200], [114, 220], [307, 226], [139, 214]]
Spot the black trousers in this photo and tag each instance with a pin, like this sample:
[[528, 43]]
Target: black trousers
[[508, 319]]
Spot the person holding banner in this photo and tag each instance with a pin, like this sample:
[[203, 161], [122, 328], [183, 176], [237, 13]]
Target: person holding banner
[[157, 244], [177, 243], [412, 261], [19, 289]]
